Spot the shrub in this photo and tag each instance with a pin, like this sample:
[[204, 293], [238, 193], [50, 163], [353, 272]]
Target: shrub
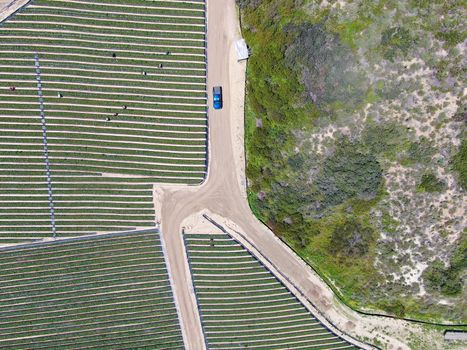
[[396, 41], [442, 279], [459, 164], [349, 173], [327, 67], [430, 183], [419, 152], [351, 239], [395, 307], [448, 280]]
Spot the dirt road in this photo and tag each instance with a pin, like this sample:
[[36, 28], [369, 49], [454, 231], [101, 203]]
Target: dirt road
[[224, 193]]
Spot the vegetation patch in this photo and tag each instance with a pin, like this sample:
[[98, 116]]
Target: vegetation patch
[[354, 160]]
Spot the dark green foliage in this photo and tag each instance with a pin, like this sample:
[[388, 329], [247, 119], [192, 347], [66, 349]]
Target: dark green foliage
[[396, 42], [243, 4], [309, 69], [349, 173], [385, 139], [351, 239], [451, 37], [419, 152], [442, 279], [430, 183], [327, 67], [394, 307], [448, 280], [459, 164]]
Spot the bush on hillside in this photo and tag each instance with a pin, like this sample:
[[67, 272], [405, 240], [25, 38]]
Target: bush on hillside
[[396, 41], [327, 67], [460, 164], [430, 183], [348, 173], [351, 239]]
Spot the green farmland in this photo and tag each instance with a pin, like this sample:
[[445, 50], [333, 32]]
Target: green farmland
[[124, 94], [243, 306], [104, 292]]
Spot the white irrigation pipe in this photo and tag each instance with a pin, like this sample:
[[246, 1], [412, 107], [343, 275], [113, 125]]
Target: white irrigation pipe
[[55, 147], [231, 275], [249, 283], [154, 129], [67, 84], [113, 50], [126, 13], [206, 302], [81, 25], [71, 195], [113, 175], [269, 330], [119, 134], [130, 58], [118, 268], [73, 246], [76, 121], [154, 36], [90, 70], [76, 332], [186, 161], [47, 288], [219, 251], [56, 159], [76, 308], [93, 64], [271, 320], [129, 6], [99, 116], [57, 104], [107, 107], [67, 256], [82, 76], [40, 321], [68, 137], [102, 91], [273, 316], [219, 264], [202, 289], [279, 338], [262, 298], [112, 20], [246, 257], [67, 318], [51, 265]]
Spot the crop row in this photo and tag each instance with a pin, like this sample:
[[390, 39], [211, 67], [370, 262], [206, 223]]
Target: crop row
[[124, 89], [242, 303], [88, 293]]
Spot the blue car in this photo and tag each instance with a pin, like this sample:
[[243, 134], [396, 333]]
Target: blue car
[[217, 97]]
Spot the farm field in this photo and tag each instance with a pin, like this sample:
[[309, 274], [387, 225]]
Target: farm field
[[243, 305], [98, 292], [123, 85]]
